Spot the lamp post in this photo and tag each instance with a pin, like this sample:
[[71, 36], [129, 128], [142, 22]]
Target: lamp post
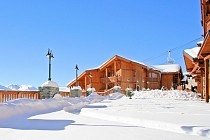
[[137, 84], [143, 84], [76, 69], [128, 80], [50, 56], [148, 85], [91, 76]]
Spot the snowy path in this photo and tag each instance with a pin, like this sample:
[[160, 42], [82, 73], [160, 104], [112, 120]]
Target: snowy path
[[150, 114], [147, 116]]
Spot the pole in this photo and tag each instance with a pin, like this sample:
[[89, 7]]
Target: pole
[[50, 56], [49, 68], [76, 68], [76, 79]]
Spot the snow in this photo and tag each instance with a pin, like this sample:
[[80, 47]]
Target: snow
[[149, 115], [49, 83], [91, 90], [168, 67], [193, 52], [64, 89], [76, 88]]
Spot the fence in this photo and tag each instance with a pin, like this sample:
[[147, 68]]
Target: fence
[[11, 95]]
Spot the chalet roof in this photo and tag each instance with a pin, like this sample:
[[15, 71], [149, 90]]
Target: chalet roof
[[205, 48], [168, 68], [193, 53], [125, 59]]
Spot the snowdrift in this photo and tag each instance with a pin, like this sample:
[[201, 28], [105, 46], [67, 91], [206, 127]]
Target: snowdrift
[[74, 105], [30, 107]]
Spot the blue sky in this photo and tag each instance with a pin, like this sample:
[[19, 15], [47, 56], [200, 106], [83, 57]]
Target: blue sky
[[89, 32]]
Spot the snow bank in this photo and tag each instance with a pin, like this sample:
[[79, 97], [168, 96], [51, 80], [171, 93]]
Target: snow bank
[[170, 94], [115, 96], [74, 105], [29, 106]]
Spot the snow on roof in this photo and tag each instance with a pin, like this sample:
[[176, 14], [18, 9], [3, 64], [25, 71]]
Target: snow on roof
[[200, 42], [64, 89], [193, 52], [76, 87], [49, 84], [168, 67]]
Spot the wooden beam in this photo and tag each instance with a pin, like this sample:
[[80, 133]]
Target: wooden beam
[[202, 85], [207, 79], [115, 74], [207, 57], [106, 79], [85, 83]]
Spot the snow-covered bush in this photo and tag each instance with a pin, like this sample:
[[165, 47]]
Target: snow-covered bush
[[90, 90], [117, 89], [129, 92]]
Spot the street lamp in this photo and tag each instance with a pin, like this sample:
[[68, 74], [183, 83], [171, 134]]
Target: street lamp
[[50, 56], [76, 69], [148, 84], [137, 84], [128, 80], [91, 76]]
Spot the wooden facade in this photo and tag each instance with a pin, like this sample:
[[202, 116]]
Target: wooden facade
[[204, 53], [195, 66], [119, 71], [200, 65]]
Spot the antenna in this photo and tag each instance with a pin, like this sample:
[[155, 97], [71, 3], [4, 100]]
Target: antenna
[[170, 60]]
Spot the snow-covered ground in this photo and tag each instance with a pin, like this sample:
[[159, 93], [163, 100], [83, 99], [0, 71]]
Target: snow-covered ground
[[149, 115]]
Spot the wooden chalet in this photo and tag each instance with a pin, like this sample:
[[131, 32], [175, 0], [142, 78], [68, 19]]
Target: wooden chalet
[[119, 71], [171, 75], [197, 61], [204, 52], [199, 64], [193, 63]]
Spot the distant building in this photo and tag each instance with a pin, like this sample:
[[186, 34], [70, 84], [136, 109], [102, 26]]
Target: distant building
[[119, 71], [171, 75]]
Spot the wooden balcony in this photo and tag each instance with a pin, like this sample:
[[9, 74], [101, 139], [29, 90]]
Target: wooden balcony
[[148, 79], [111, 79]]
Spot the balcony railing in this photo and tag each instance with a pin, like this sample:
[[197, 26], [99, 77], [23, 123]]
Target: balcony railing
[[148, 79], [111, 79]]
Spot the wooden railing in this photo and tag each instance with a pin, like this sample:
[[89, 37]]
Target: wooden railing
[[65, 94], [11, 95], [148, 79], [107, 92], [111, 79], [7, 95]]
